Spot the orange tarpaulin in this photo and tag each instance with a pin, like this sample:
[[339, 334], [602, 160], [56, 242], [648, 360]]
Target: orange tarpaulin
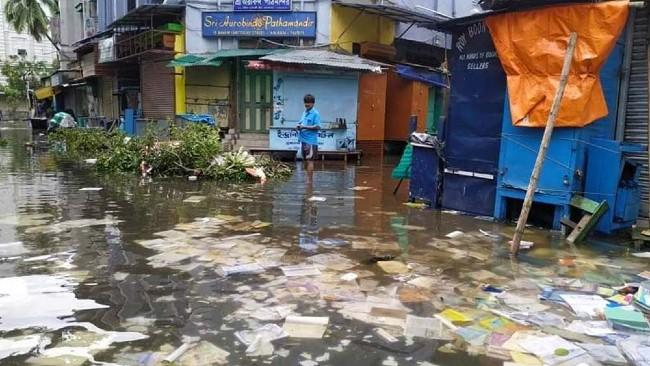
[[531, 47]]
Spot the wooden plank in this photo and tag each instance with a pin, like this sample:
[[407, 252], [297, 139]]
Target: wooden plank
[[586, 224], [579, 231], [546, 140], [567, 222], [585, 204]]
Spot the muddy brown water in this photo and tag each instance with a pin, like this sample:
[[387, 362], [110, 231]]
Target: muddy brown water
[[168, 304]]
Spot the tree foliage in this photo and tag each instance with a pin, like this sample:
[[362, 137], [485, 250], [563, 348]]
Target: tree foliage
[[18, 73], [31, 16]]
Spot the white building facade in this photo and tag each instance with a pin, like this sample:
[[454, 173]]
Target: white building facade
[[13, 43]]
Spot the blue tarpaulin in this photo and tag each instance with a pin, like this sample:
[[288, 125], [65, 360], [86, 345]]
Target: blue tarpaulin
[[198, 118], [423, 75]]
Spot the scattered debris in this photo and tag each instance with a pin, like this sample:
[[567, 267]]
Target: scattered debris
[[419, 205], [627, 317], [585, 305], [609, 355], [644, 274], [90, 189], [259, 340], [317, 199], [489, 234], [305, 326], [178, 353], [240, 269], [431, 328], [552, 350], [361, 188], [194, 199], [383, 334], [300, 270], [455, 234], [393, 267], [204, 353]]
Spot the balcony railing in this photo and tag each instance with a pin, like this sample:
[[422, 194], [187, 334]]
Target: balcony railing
[[148, 41]]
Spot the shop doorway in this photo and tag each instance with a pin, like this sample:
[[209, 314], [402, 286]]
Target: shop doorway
[[256, 101]]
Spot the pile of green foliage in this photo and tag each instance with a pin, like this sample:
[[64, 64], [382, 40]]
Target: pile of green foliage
[[191, 150]]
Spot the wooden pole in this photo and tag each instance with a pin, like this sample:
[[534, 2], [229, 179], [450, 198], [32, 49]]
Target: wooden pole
[[546, 139]]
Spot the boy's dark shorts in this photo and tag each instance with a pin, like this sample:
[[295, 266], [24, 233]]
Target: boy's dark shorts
[[309, 152]]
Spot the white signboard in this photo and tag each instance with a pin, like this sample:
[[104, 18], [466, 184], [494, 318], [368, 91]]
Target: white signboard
[[286, 138]]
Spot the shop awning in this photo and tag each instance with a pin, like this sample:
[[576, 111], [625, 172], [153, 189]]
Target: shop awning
[[324, 58], [44, 93], [424, 75], [194, 60], [216, 59], [245, 52]]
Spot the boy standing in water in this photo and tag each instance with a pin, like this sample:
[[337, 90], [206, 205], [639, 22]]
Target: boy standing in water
[[308, 127]]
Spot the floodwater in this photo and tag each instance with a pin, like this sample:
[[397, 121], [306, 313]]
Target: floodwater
[[126, 274]]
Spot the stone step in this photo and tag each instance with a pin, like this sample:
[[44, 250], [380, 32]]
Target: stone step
[[253, 137], [249, 146]]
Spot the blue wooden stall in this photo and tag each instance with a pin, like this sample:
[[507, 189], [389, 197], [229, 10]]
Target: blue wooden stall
[[473, 127], [563, 173]]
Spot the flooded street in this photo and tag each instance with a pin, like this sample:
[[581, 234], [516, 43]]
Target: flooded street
[[336, 269]]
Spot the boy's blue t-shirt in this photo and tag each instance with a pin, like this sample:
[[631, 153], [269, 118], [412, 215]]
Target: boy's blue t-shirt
[[310, 118]]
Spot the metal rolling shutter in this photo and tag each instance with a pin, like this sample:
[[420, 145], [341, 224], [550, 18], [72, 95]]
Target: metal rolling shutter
[[157, 88], [636, 117]]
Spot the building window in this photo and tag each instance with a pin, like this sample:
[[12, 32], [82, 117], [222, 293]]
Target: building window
[[22, 52]]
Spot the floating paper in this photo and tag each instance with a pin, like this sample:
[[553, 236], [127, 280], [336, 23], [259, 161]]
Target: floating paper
[[194, 199], [300, 270], [455, 316], [270, 332], [241, 268], [455, 234], [585, 305], [552, 350], [393, 267], [204, 353], [383, 334], [430, 328], [306, 326]]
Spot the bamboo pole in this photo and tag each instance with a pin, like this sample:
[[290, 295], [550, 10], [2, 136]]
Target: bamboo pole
[[546, 139]]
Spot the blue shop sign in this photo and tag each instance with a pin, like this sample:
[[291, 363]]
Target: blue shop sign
[[262, 5], [264, 24]]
